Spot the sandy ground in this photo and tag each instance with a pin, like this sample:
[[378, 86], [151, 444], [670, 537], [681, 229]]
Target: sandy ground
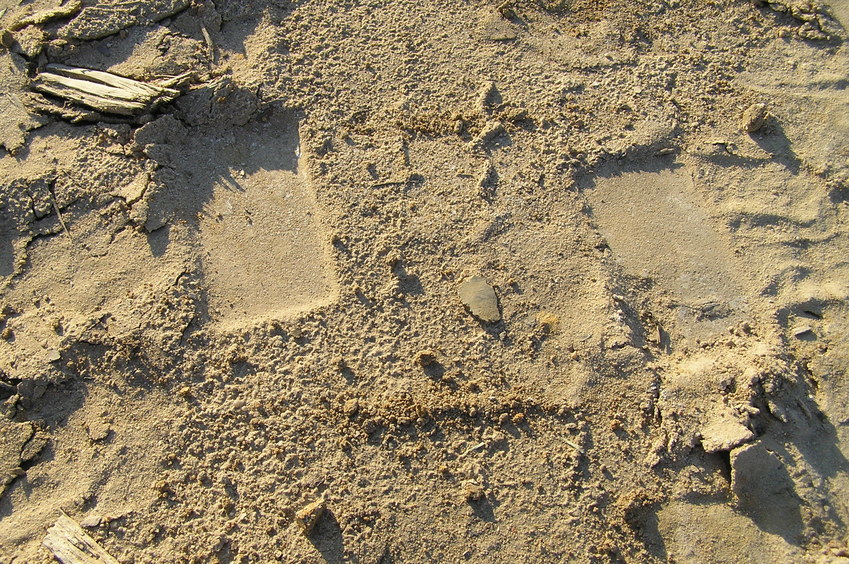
[[249, 300]]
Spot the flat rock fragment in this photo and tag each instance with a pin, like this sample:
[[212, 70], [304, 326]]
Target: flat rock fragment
[[479, 297]]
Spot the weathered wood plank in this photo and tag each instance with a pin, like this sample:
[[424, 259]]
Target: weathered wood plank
[[70, 544], [102, 91]]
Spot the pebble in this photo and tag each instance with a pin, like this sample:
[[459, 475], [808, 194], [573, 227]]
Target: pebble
[[506, 10], [425, 358], [91, 521], [98, 431], [802, 331], [479, 297]]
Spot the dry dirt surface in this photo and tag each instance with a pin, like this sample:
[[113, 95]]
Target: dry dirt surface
[[429, 281]]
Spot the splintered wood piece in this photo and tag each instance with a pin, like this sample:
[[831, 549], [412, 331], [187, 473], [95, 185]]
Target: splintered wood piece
[[70, 544], [110, 79], [102, 91]]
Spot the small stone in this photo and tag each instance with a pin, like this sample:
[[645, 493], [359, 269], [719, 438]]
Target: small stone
[[91, 521], [308, 517], [802, 331], [724, 434], [548, 322], [754, 118], [53, 356], [351, 407], [478, 295], [506, 10]]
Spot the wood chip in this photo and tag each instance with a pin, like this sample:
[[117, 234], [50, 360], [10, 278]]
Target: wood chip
[[801, 331], [70, 544]]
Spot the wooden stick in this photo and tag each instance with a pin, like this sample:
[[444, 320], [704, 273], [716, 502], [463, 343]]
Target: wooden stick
[[70, 544]]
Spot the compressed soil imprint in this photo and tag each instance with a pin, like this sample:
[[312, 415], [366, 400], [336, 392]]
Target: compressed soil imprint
[[656, 230], [257, 222], [263, 252]]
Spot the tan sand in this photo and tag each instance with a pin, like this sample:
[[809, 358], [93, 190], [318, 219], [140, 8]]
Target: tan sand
[[233, 328]]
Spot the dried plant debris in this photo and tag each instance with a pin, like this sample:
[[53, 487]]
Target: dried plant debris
[[102, 91]]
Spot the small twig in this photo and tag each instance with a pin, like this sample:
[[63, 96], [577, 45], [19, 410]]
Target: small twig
[[210, 45], [473, 448], [574, 446], [59, 213]]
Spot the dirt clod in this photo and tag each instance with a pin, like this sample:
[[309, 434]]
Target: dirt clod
[[308, 517], [754, 118]]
